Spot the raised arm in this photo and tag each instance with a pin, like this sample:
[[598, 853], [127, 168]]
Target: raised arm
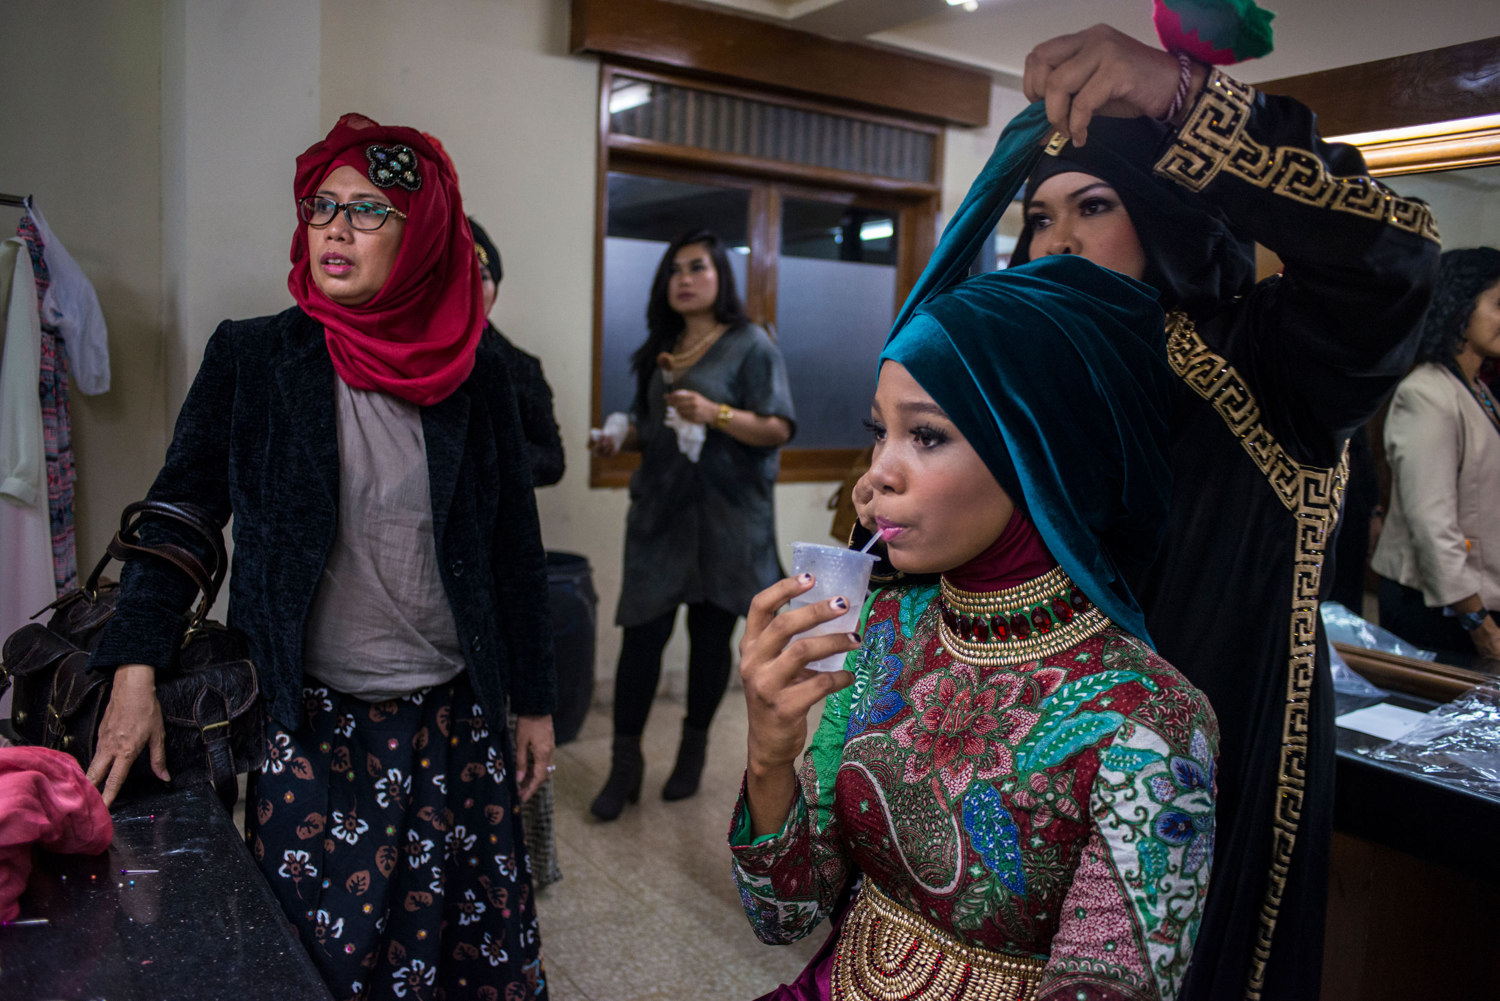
[[1335, 331], [1331, 336]]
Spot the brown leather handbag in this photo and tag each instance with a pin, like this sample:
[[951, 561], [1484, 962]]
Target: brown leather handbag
[[210, 696]]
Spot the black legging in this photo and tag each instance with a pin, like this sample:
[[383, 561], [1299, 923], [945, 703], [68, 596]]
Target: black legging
[[639, 670]]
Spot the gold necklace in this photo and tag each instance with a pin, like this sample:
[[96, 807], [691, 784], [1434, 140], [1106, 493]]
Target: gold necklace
[[1037, 619]]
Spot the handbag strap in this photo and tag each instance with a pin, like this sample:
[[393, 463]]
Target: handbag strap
[[127, 545]]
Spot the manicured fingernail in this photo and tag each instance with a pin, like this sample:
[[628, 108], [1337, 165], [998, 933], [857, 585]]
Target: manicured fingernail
[[856, 637], [804, 578], [840, 604]]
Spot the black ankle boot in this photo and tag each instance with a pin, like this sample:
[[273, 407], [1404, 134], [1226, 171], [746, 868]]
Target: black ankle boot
[[624, 783], [689, 768]]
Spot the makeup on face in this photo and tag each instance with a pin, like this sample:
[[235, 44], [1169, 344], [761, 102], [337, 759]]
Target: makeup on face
[[935, 501], [1078, 213], [693, 285]]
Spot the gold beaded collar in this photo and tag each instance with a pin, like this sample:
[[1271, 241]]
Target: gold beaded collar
[[1037, 619]]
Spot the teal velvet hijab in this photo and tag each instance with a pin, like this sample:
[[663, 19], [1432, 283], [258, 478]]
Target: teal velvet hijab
[[1056, 373]]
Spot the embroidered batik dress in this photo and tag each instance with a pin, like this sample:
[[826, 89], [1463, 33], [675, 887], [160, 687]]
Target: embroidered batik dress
[[1026, 787]]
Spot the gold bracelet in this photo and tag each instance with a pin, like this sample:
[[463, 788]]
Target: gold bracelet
[[726, 414]]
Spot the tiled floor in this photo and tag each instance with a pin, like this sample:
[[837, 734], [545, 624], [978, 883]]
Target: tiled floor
[[646, 908]]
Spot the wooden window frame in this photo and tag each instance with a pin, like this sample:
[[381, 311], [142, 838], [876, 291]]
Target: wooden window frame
[[913, 204]]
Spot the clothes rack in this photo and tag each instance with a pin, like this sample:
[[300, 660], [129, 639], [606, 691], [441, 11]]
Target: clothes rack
[[19, 201]]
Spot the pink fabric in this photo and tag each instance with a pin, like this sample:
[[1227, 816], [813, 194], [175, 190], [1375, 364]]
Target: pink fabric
[[45, 800], [1018, 555]]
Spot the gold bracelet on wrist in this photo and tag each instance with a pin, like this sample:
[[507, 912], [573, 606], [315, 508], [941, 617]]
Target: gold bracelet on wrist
[[726, 414]]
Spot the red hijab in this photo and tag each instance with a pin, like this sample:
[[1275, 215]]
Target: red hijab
[[416, 337]]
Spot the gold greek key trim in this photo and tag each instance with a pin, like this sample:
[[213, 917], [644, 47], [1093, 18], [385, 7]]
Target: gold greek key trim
[[886, 952], [1314, 495], [1213, 141]]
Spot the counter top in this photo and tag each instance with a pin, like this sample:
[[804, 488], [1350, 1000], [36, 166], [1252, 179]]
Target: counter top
[[176, 909], [1432, 819]]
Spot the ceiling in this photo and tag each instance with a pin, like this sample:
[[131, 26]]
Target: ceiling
[[1311, 35]]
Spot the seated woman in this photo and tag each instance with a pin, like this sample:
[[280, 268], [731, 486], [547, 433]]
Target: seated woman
[[1440, 550], [1026, 786]]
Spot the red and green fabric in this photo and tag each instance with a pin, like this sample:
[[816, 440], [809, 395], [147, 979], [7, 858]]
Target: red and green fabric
[[1061, 808], [1217, 32]]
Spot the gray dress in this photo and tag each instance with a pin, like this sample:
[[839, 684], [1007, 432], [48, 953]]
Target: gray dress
[[705, 531]]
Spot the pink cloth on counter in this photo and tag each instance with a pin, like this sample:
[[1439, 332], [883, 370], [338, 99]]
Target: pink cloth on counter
[[45, 800]]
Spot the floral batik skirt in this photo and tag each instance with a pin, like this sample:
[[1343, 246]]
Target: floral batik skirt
[[388, 832]]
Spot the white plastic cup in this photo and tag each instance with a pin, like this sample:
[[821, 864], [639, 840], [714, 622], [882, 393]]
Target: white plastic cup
[[836, 572]]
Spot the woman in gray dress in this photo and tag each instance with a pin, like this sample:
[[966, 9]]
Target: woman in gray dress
[[712, 407]]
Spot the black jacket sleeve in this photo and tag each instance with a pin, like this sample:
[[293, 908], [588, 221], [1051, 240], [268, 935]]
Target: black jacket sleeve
[[519, 565], [151, 614], [1335, 332]]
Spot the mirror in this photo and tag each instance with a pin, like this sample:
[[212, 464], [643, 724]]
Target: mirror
[[1455, 168]]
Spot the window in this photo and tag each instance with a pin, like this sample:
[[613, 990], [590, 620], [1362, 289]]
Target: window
[[830, 214]]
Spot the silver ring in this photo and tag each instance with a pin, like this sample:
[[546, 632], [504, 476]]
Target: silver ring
[[551, 768]]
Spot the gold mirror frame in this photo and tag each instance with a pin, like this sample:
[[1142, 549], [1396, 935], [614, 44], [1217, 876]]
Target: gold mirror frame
[[1420, 149]]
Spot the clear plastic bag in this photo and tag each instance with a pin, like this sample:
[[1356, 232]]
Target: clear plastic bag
[[1347, 681], [1457, 743], [1343, 626]]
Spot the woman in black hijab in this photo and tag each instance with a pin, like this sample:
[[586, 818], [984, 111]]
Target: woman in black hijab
[[1275, 376]]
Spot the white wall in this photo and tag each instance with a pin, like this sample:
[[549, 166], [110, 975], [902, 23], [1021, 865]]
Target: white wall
[[80, 94], [239, 94]]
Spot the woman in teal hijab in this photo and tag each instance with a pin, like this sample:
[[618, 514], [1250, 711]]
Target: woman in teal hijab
[[1025, 785]]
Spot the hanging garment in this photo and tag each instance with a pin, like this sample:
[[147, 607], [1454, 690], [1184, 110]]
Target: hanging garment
[[26, 573], [57, 430], [71, 305]]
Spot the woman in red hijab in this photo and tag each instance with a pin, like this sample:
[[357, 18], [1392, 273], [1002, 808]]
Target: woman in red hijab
[[389, 573]]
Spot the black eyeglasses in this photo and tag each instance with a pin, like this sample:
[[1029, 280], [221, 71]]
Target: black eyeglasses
[[318, 212]]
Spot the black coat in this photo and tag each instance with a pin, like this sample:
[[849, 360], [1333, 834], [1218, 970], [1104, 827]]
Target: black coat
[[257, 438], [534, 400]]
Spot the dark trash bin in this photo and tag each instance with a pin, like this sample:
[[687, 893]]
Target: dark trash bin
[[570, 586]]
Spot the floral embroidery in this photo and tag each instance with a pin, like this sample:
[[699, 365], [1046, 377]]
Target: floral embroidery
[[325, 929], [955, 727], [994, 836], [477, 729], [460, 840], [413, 976], [316, 700], [279, 753], [875, 699], [392, 788], [469, 908], [418, 849], [347, 827], [1161, 850], [495, 765], [914, 602], [1043, 796], [493, 950], [297, 864]]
